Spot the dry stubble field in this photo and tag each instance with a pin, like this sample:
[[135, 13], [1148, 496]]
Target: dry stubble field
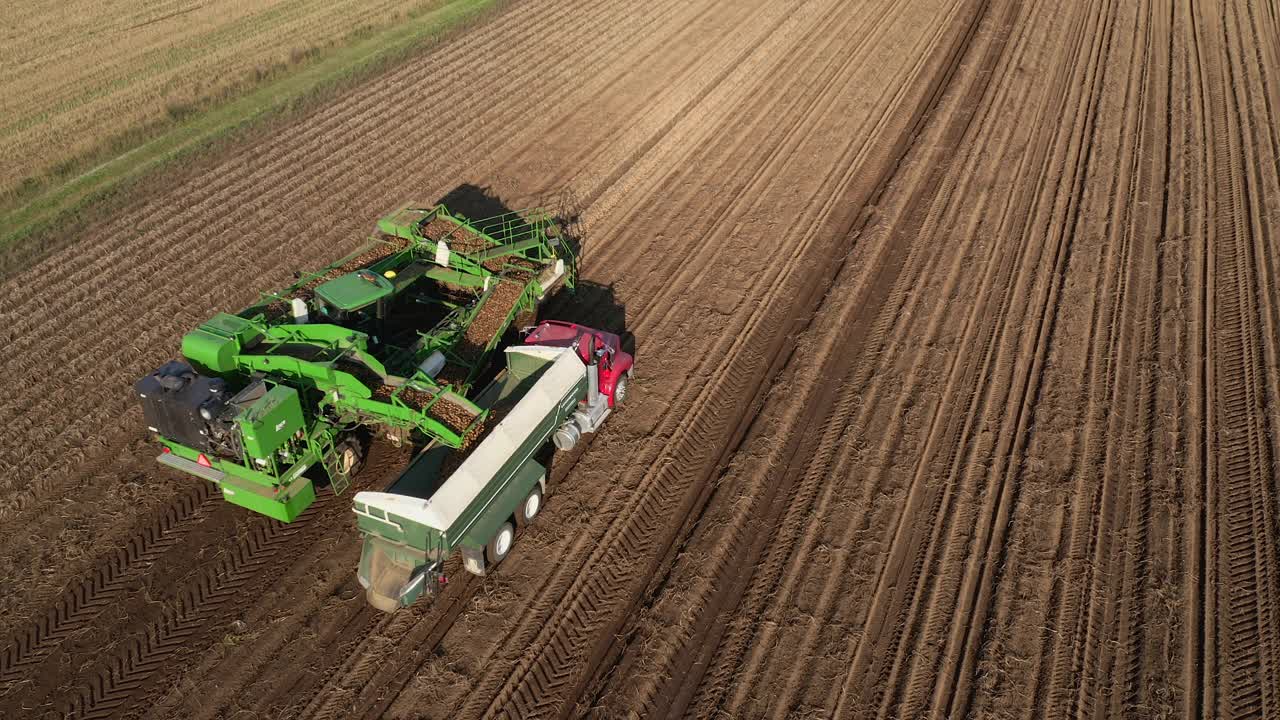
[[77, 77], [957, 397]]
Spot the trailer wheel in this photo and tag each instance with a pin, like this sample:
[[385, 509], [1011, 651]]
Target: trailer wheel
[[501, 543], [530, 508]]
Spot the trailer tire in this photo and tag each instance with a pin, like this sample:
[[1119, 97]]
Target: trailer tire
[[530, 508], [501, 543]]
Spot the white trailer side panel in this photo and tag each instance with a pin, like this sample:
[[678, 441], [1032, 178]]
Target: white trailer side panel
[[446, 506]]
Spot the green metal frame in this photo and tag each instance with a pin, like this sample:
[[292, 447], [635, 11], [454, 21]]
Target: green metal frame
[[261, 340]]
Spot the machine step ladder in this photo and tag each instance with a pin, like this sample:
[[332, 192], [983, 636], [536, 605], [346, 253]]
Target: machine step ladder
[[339, 480]]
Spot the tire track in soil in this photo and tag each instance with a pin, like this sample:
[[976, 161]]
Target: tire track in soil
[[121, 669], [991, 660], [156, 332], [105, 584], [419, 629], [1200, 667], [360, 623], [162, 325], [1242, 540], [954, 390], [1090, 542], [1123, 426], [728, 669], [643, 318], [637, 535], [683, 658], [383, 655], [965, 640], [750, 627], [1120, 447], [904, 635]]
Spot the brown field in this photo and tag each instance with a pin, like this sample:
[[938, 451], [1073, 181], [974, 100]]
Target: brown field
[[78, 76], [957, 383]]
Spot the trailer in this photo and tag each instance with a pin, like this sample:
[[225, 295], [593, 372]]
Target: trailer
[[387, 341], [560, 384]]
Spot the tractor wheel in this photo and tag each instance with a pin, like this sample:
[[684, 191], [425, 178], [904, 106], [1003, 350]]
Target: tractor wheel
[[501, 543], [350, 456], [620, 391], [530, 508]]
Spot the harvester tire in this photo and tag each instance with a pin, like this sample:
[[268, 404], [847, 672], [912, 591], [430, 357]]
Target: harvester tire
[[530, 508], [350, 456], [501, 543]]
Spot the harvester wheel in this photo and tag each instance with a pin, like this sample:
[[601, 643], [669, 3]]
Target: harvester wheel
[[530, 508], [501, 543], [350, 456]]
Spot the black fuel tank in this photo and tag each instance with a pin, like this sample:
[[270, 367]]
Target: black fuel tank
[[172, 396]]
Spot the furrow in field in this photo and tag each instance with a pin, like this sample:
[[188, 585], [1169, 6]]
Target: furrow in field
[[672, 639], [1073, 236], [105, 585], [218, 259], [1115, 441], [670, 653], [841, 505], [892, 685], [1243, 499], [349, 682], [795, 642], [163, 325], [536, 699], [125, 653], [1116, 406]]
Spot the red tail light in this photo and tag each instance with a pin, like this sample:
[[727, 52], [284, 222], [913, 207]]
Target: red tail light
[[165, 449], [204, 461]]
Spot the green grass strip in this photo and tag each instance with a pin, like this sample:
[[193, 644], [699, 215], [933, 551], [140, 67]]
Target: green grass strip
[[274, 97]]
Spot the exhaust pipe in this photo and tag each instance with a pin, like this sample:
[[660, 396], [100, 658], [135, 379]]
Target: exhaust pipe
[[593, 383]]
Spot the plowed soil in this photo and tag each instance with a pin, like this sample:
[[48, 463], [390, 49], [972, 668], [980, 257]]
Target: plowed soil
[[956, 396]]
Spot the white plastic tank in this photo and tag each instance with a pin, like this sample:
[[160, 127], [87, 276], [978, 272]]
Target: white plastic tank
[[300, 314], [433, 364]]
